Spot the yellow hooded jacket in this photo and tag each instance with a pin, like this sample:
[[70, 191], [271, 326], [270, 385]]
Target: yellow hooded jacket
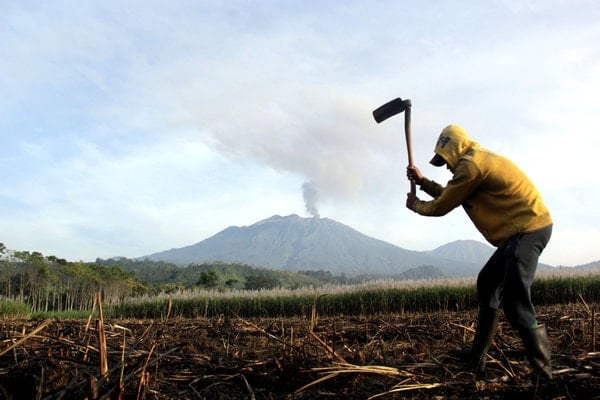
[[496, 195]]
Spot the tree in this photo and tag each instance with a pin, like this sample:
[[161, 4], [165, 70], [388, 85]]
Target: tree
[[208, 279], [7, 270], [231, 283], [260, 281]]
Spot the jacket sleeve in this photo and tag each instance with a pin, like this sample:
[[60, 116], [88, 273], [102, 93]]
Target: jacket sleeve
[[432, 188], [465, 180]]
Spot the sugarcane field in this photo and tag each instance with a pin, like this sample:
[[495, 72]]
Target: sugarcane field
[[399, 355]]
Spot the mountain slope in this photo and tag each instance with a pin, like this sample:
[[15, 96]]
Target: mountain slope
[[294, 243], [469, 251]]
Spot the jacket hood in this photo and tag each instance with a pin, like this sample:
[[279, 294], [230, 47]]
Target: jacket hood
[[452, 144]]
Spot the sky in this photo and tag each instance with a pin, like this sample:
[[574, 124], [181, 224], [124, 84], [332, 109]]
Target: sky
[[129, 128]]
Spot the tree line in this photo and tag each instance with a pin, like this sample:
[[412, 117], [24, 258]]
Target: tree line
[[50, 283]]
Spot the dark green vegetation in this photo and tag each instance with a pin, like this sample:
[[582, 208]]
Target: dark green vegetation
[[52, 284], [383, 298], [163, 276], [32, 284], [347, 300]]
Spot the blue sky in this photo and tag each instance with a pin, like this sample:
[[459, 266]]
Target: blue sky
[[134, 127]]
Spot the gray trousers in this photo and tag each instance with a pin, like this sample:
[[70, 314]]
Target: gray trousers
[[507, 277]]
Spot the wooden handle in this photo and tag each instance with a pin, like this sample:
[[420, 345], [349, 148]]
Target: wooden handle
[[413, 188]]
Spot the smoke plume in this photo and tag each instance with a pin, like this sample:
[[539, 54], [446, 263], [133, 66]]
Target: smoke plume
[[309, 191]]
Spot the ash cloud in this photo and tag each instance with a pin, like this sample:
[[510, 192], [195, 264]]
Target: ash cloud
[[328, 139], [311, 198]]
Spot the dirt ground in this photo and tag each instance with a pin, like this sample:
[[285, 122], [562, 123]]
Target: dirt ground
[[380, 356]]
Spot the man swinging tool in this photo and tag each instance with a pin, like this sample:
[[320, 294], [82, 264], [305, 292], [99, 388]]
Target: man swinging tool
[[508, 210]]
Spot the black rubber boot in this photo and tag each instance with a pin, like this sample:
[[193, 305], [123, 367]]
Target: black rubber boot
[[537, 348], [487, 323]]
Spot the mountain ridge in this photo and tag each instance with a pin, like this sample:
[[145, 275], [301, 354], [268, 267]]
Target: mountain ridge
[[295, 243], [463, 250]]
